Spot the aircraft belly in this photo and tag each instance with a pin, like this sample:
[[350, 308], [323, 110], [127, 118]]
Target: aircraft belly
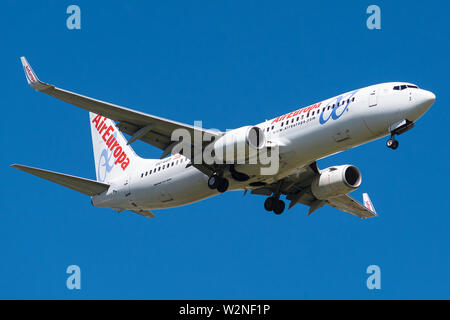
[[178, 190]]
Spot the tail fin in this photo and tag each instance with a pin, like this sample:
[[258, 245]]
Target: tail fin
[[113, 157]]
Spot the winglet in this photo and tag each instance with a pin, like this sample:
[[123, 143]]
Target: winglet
[[32, 79], [368, 203]]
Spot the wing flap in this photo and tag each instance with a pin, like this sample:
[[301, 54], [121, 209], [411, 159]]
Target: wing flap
[[145, 213], [85, 186]]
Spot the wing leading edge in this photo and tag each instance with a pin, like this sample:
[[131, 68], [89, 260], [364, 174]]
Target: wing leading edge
[[153, 130]]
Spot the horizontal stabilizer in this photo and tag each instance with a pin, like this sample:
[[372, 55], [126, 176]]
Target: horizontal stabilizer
[[86, 186]]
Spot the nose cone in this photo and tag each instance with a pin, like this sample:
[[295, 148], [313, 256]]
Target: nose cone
[[427, 98], [423, 100]]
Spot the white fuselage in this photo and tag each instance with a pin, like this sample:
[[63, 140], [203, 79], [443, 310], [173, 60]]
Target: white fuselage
[[358, 116]]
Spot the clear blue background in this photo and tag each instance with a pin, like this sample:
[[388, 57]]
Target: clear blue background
[[229, 64]]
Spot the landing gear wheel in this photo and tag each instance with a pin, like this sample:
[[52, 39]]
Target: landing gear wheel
[[213, 182], [223, 185], [395, 145], [392, 143], [278, 207], [268, 204]]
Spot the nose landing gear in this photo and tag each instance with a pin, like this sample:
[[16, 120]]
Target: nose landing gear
[[396, 129], [274, 204], [392, 143]]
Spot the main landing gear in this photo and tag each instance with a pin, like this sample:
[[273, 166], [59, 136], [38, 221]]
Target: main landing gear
[[274, 204], [217, 182], [392, 143]]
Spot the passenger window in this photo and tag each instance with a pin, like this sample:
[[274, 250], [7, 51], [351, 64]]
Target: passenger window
[[298, 118], [159, 168], [273, 127], [154, 170], [282, 123], [146, 173], [353, 99], [307, 115], [313, 112], [142, 175], [292, 121]]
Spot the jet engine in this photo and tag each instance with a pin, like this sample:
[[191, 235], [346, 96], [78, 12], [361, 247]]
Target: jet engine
[[336, 181], [238, 145]]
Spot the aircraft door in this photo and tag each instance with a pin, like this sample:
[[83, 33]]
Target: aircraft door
[[374, 116], [126, 190], [373, 99]]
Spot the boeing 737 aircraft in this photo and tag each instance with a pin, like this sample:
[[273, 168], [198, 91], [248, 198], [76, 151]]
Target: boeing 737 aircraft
[[126, 181]]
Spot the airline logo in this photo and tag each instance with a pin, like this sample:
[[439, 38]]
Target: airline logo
[[338, 106], [369, 205], [109, 137], [297, 112], [29, 74]]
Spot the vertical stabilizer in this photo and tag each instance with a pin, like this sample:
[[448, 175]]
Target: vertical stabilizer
[[113, 157]]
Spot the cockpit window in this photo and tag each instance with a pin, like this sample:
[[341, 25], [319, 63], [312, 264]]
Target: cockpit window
[[403, 87]]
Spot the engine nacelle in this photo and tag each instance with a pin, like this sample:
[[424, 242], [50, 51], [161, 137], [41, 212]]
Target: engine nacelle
[[336, 181], [239, 144]]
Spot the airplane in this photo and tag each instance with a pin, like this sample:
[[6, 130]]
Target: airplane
[[297, 140]]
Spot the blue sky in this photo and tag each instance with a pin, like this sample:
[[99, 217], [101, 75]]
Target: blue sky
[[229, 64]]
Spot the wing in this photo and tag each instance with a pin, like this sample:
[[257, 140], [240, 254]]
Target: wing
[[151, 129], [347, 204], [297, 188], [86, 186]]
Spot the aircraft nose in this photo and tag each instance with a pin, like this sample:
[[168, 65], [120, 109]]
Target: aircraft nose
[[423, 101], [428, 97]]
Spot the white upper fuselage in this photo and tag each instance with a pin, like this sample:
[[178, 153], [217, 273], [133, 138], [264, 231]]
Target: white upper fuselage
[[304, 135]]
